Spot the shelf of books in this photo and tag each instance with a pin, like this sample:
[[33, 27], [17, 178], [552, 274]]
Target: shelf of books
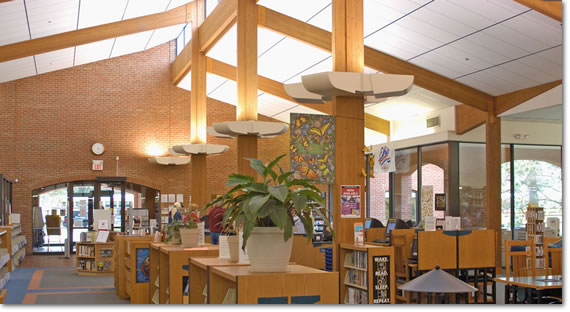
[[13, 244], [367, 274], [4, 258], [94, 258], [535, 232]]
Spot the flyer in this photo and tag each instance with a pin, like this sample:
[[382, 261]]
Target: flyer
[[350, 201]]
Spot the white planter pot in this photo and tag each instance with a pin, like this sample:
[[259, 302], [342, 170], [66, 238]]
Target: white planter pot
[[267, 251], [233, 246], [189, 237], [174, 241]]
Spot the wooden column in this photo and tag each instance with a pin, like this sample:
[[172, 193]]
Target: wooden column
[[198, 107], [246, 80], [348, 56], [493, 177]]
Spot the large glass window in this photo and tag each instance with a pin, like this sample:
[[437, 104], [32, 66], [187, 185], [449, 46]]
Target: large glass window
[[405, 187], [380, 197], [472, 183], [435, 177]]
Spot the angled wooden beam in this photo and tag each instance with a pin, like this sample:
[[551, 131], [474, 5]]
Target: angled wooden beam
[[182, 64], [222, 18], [277, 89], [468, 118], [179, 15], [380, 61], [552, 9], [509, 100]]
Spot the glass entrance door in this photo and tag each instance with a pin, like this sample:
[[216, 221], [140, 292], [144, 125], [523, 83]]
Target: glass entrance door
[[83, 198], [112, 197]]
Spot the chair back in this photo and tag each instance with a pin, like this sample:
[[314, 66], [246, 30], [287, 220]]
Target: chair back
[[552, 256], [401, 254], [520, 259]]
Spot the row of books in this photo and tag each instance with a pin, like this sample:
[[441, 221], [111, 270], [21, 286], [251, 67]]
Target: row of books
[[356, 296], [106, 253], [357, 259], [535, 228], [532, 214], [93, 266], [356, 277], [85, 251], [538, 239]]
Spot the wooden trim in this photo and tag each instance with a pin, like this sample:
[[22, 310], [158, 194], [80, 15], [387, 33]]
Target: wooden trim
[[198, 86], [222, 18], [246, 60], [277, 89], [74, 38], [380, 61], [552, 9], [510, 100], [493, 176], [182, 64], [468, 118]]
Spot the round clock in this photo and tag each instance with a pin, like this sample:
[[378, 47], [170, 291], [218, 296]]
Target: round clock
[[97, 148]]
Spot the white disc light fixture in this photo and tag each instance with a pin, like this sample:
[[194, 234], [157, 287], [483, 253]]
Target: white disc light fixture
[[261, 129]]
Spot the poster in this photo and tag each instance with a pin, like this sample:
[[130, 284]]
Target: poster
[[440, 202], [83, 211], [171, 198], [381, 279], [427, 201], [384, 160], [312, 146], [143, 265], [180, 198], [350, 201], [164, 198], [403, 162]]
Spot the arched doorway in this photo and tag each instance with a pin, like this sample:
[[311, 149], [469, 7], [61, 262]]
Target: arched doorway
[[61, 212]]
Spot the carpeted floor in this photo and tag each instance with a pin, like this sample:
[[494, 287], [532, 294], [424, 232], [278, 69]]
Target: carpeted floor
[[59, 286]]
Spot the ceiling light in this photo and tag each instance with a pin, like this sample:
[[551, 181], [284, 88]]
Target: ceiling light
[[200, 149], [262, 129]]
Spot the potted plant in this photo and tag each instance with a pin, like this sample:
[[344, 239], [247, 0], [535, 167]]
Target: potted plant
[[264, 212], [184, 232]]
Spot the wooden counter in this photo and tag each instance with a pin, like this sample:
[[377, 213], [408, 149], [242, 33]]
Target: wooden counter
[[307, 253], [173, 267], [199, 269], [300, 284], [120, 251]]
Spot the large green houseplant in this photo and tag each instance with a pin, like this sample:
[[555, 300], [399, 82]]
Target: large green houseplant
[[271, 202]]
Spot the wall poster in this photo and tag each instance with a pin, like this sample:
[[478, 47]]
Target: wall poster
[[312, 147], [384, 158], [427, 201], [381, 279], [350, 201], [143, 265]]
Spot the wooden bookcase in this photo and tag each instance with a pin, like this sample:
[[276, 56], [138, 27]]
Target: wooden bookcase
[[300, 284], [120, 261], [14, 241], [173, 267], [535, 232], [95, 258], [308, 253], [198, 271], [367, 274], [137, 252], [4, 258], [153, 287]]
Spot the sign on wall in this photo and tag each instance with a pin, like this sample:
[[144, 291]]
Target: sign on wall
[[350, 201], [384, 158], [312, 147], [381, 279], [97, 165]]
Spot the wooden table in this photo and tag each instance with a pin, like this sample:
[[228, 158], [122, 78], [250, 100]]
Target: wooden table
[[173, 267], [198, 272], [535, 284]]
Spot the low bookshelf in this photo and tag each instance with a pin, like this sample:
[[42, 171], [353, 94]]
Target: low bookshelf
[[94, 258]]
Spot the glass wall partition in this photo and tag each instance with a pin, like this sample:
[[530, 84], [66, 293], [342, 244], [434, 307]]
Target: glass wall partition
[[405, 186], [434, 177]]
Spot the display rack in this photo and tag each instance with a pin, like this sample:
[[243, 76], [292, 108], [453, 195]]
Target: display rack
[[300, 284], [198, 270], [367, 274], [121, 259], [138, 220], [14, 242], [94, 258], [535, 232]]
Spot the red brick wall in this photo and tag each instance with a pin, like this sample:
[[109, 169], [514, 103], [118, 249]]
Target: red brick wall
[[379, 185], [49, 121]]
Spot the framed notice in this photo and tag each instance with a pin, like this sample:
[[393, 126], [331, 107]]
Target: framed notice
[[381, 279], [440, 202], [350, 201]]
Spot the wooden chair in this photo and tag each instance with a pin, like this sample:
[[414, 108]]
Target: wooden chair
[[402, 247], [521, 262], [552, 256]]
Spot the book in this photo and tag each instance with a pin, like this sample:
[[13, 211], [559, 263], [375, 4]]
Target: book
[[358, 233]]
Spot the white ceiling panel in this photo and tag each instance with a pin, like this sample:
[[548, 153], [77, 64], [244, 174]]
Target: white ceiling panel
[[50, 17], [176, 3], [379, 13], [553, 113], [138, 8], [13, 23], [395, 44], [227, 92], [483, 50], [485, 10], [324, 65], [498, 81], [213, 82], [16, 69], [266, 39], [286, 116], [270, 105], [55, 60], [480, 85], [554, 55], [465, 59], [537, 27], [131, 43], [225, 49], [372, 137], [298, 9], [440, 65], [163, 35], [93, 52], [541, 67], [186, 82], [287, 59], [515, 80], [323, 19], [512, 40], [98, 12]]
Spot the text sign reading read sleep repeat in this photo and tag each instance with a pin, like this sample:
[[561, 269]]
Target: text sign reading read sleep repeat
[[381, 279]]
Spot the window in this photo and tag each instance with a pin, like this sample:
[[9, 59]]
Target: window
[[380, 197], [404, 186]]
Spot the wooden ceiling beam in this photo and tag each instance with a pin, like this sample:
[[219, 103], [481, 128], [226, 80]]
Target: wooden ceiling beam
[[468, 118], [179, 15], [510, 100], [222, 18], [182, 64], [380, 61], [277, 89], [552, 9]]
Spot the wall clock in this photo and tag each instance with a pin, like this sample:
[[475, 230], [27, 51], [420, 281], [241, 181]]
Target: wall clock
[[97, 148]]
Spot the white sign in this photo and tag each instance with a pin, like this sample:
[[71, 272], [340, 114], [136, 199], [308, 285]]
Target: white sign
[[99, 215], [224, 251], [103, 225], [202, 237], [82, 211], [427, 201], [429, 223], [164, 198], [102, 236], [243, 257], [171, 198], [384, 159], [77, 223], [97, 165], [14, 218], [180, 198]]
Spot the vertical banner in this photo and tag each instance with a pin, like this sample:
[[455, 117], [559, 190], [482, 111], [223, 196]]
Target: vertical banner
[[381, 279], [350, 201], [143, 265], [427, 201], [384, 158], [312, 147]]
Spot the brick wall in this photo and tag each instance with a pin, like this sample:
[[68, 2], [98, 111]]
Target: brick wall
[[49, 121], [379, 185]]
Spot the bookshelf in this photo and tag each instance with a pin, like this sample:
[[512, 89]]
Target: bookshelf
[[137, 270], [367, 274], [121, 261], [300, 284], [535, 232], [94, 258], [198, 269], [13, 242], [4, 258], [154, 258]]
